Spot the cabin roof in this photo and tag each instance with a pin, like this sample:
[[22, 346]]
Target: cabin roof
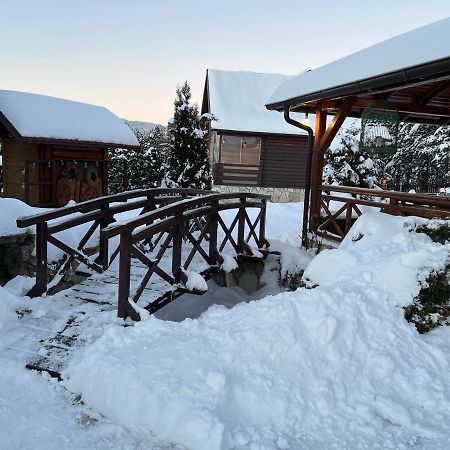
[[237, 99], [33, 118], [410, 58]]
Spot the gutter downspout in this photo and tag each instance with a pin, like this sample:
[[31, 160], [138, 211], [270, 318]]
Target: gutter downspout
[[309, 130]]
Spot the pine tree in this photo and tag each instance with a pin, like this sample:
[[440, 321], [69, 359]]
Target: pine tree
[[347, 165], [141, 168], [187, 160], [422, 158]]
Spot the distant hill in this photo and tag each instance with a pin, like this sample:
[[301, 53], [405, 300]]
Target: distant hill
[[139, 125]]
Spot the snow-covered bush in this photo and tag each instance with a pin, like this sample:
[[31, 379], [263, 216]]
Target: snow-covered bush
[[347, 165], [142, 168], [187, 158], [422, 159]]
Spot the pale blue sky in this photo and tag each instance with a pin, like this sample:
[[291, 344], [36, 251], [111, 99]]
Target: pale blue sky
[[129, 55]]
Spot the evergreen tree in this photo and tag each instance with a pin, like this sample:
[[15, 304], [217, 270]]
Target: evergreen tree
[[187, 159], [347, 165], [141, 168], [422, 158]]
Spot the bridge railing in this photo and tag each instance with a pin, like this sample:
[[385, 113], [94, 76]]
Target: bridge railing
[[340, 206], [100, 213], [169, 227]]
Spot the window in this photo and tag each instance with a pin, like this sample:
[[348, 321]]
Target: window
[[240, 150]]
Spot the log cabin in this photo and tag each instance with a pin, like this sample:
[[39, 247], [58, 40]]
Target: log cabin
[[251, 148], [56, 150]]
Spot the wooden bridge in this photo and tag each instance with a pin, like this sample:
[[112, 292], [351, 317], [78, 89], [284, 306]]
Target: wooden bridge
[[169, 231]]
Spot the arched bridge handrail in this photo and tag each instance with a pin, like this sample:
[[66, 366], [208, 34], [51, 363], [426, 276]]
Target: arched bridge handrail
[[177, 207], [100, 202], [170, 228], [100, 212]]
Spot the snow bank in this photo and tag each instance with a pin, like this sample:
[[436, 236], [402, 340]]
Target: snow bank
[[8, 302], [15, 209], [332, 367]]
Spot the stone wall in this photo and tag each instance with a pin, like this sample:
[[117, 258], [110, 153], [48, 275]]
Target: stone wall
[[17, 256], [279, 195]]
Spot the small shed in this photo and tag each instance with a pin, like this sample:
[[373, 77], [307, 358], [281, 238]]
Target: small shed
[[56, 150], [249, 145]]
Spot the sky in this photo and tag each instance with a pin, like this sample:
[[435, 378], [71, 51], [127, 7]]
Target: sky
[[130, 55]]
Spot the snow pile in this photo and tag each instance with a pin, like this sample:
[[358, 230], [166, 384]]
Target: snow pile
[[195, 282], [293, 260], [40, 116], [16, 209], [229, 263], [8, 302], [332, 367]]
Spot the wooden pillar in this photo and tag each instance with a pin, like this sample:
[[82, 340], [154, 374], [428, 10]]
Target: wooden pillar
[[317, 167], [323, 137]]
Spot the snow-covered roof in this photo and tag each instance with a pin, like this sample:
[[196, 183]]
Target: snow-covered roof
[[237, 99], [41, 118], [420, 46]]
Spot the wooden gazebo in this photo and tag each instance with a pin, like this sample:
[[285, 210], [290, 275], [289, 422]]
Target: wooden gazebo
[[56, 150], [410, 71]]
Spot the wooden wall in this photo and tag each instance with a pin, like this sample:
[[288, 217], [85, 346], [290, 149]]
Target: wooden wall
[[283, 161], [42, 176], [282, 164], [14, 156]]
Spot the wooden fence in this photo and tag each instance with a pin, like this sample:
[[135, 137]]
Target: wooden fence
[[340, 206]]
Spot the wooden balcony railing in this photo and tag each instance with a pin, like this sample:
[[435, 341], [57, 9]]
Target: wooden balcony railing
[[237, 174]]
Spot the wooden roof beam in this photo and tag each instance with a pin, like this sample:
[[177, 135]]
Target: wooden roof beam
[[434, 92], [336, 123], [412, 108]]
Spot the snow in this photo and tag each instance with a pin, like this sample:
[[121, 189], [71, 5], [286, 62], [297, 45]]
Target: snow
[[336, 366], [40, 116], [237, 98], [419, 46], [229, 263], [15, 209], [195, 282]]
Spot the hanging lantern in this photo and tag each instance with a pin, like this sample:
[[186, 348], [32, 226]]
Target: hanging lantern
[[379, 128]]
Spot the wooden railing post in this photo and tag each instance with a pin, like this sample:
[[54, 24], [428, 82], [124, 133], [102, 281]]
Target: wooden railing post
[[213, 224], [177, 242], [40, 287], [103, 256], [262, 224], [124, 274], [241, 225], [393, 203], [348, 218]]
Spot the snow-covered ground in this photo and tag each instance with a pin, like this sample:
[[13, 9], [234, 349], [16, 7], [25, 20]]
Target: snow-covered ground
[[332, 366]]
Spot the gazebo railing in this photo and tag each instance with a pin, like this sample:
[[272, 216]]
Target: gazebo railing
[[340, 206]]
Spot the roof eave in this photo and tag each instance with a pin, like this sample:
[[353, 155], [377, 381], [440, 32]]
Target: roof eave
[[255, 133], [387, 81], [72, 142]]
